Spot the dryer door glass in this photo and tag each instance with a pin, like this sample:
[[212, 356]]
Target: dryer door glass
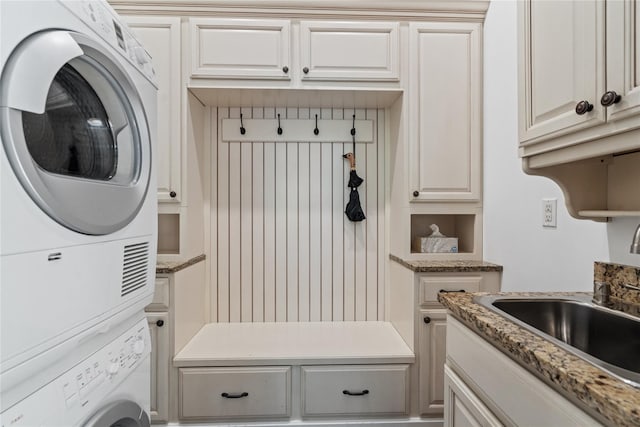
[[73, 136]]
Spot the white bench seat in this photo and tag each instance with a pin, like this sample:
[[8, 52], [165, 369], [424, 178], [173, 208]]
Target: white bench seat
[[302, 343]]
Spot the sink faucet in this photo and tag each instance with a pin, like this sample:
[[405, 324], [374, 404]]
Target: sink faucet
[[635, 244], [601, 292]]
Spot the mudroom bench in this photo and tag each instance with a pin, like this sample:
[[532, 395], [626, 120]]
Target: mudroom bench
[[293, 372]]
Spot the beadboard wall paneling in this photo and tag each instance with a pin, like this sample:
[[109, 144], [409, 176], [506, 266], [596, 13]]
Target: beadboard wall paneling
[[284, 250]]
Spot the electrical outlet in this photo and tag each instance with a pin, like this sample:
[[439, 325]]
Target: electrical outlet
[[549, 212]]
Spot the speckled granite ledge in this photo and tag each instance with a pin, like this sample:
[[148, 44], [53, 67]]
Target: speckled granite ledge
[[168, 267], [598, 392], [617, 275], [423, 266]]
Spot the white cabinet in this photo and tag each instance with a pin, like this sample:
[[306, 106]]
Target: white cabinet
[[623, 57], [497, 390], [431, 329], [579, 95], [349, 51], [573, 57], [563, 64], [445, 126], [464, 408], [159, 328], [433, 345], [263, 49], [161, 37], [240, 48]]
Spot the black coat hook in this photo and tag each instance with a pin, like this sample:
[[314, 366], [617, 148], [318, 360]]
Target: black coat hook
[[279, 128], [242, 129], [353, 126], [316, 131]]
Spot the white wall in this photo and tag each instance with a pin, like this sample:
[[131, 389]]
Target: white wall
[[534, 258]]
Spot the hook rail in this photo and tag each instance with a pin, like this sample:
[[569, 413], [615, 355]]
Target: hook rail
[[297, 130]]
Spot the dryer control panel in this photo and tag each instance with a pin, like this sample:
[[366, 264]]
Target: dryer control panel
[[105, 22], [76, 394]]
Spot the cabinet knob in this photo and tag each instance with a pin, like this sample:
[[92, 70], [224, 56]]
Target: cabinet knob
[[305, 70], [160, 323], [583, 107], [173, 194], [416, 193], [285, 69], [427, 319], [609, 98]]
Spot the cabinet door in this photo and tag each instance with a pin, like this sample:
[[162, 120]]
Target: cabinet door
[[161, 37], [433, 346], [159, 328], [623, 58], [445, 126], [349, 51], [562, 50], [463, 407], [239, 48]]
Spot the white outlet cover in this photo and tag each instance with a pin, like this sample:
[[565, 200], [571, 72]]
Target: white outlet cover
[[550, 213]]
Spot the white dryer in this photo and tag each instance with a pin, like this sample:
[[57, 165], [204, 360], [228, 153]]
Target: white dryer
[[108, 388], [78, 212]]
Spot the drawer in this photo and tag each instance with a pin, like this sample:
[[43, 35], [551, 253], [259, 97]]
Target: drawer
[[160, 295], [355, 390], [208, 393], [430, 286]]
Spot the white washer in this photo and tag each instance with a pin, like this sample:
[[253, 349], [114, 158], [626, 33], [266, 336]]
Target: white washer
[[78, 214], [109, 388]]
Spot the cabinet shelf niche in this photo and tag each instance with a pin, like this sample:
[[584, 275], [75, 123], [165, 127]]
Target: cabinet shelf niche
[[462, 226]]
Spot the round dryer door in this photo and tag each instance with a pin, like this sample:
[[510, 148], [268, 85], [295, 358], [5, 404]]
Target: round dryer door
[[75, 131], [123, 413]]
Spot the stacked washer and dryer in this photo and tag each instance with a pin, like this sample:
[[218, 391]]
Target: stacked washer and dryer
[[78, 216]]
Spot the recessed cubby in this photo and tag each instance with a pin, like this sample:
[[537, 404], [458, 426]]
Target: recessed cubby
[[462, 226], [168, 234]]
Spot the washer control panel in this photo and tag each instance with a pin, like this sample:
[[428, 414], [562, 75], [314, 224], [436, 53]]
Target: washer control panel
[[76, 392], [104, 21]]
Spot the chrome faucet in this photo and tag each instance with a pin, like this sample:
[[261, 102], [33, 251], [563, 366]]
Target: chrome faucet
[[635, 244], [601, 292]]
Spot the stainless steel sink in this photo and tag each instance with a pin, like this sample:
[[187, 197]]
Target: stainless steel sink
[[607, 338]]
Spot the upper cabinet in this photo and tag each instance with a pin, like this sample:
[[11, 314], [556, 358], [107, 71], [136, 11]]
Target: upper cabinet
[[161, 37], [349, 51], [240, 48], [445, 131], [293, 52], [579, 78]]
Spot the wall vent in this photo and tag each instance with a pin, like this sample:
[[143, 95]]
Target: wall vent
[[134, 272]]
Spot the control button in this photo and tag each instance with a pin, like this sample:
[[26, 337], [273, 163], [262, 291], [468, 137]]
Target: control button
[[70, 393], [81, 380], [138, 346], [113, 368], [141, 55]]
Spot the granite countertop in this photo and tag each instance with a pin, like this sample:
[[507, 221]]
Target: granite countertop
[[424, 266], [618, 403], [168, 267]]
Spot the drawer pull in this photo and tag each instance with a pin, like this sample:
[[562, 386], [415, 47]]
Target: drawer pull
[[444, 291], [235, 396], [355, 393]]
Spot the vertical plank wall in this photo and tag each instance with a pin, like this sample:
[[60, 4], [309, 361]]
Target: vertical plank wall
[[282, 249]]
